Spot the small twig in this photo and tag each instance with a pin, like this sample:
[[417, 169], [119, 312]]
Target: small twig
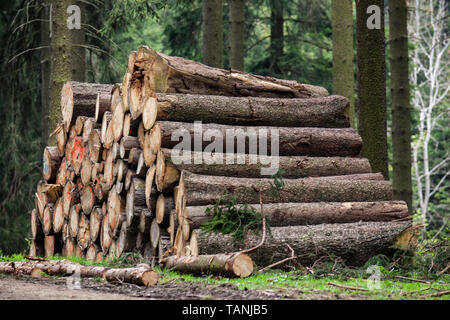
[[411, 279], [437, 294], [292, 257], [346, 287], [35, 258], [263, 227]]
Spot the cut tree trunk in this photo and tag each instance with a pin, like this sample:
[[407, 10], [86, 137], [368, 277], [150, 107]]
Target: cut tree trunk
[[324, 112], [51, 163], [246, 166], [292, 141], [84, 234], [36, 226], [204, 190], [58, 216], [80, 99], [167, 175], [175, 74], [142, 275], [294, 214], [135, 198], [164, 205], [353, 242], [95, 221], [230, 265]]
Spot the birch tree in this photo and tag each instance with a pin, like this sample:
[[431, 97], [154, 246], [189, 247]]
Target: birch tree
[[430, 85]]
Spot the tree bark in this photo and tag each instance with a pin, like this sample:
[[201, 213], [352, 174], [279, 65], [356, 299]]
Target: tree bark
[[276, 36], [204, 190], [372, 86], [401, 112], [51, 163], [353, 242], [295, 214], [293, 166], [324, 112], [177, 75], [79, 99], [343, 74], [342, 142], [212, 33], [230, 265], [236, 35]]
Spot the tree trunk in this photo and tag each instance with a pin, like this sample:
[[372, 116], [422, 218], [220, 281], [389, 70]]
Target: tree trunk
[[372, 86], [292, 141], [236, 36], [295, 214], [51, 163], [212, 33], [223, 264], [401, 113], [353, 242], [276, 36], [343, 74], [204, 190], [294, 167], [45, 58], [177, 75], [324, 112]]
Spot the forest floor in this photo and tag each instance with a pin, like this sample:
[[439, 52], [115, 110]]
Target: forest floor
[[270, 285]]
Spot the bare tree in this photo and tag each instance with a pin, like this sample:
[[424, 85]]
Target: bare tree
[[430, 85]]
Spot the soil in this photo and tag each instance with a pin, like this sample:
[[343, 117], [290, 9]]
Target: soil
[[55, 288]]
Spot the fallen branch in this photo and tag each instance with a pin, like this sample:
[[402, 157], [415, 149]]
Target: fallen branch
[[437, 294], [263, 227], [411, 279], [346, 287], [292, 257], [444, 270]]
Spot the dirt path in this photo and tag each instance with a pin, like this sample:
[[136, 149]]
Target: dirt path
[[27, 288]]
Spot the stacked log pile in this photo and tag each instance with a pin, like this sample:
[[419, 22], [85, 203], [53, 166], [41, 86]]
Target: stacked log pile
[[111, 183]]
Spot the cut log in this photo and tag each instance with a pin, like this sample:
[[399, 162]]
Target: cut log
[[61, 139], [244, 166], [61, 175], [135, 198], [152, 144], [87, 199], [89, 125], [86, 170], [126, 144], [343, 142], [140, 241], [108, 171], [51, 162], [116, 207], [95, 221], [353, 242], [69, 248], [102, 105], [294, 214], [70, 197], [92, 252], [74, 220], [155, 233], [79, 125], [127, 239], [229, 265], [139, 275], [204, 190], [117, 122], [164, 205], [149, 113], [79, 99], [164, 247], [105, 238], [167, 175], [52, 245], [142, 275], [95, 146], [130, 126], [84, 234], [36, 227], [173, 225], [99, 189], [323, 112], [107, 116], [116, 96], [145, 219], [47, 219], [78, 151], [133, 157], [174, 74], [58, 216], [128, 177], [125, 90], [149, 187]]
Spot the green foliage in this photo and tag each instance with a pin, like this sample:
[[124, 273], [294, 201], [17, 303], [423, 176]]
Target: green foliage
[[278, 182], [231, 218]]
